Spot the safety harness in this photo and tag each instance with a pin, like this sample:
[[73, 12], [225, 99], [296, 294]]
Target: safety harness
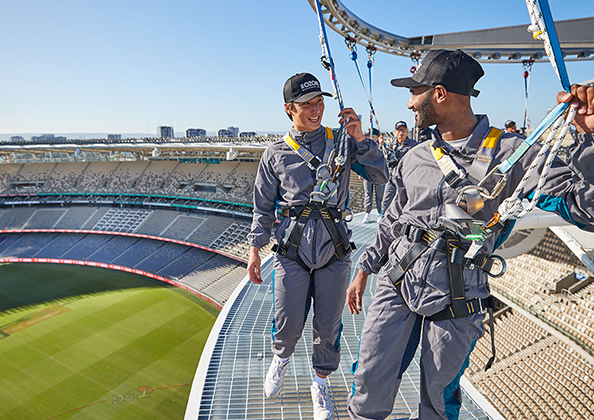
[[457, 224], [324, 193]]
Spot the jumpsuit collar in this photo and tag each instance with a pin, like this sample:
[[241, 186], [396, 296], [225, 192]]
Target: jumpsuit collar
[[474, 142], [305, 137]]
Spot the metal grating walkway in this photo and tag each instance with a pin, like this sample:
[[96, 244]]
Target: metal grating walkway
[[229, 383]]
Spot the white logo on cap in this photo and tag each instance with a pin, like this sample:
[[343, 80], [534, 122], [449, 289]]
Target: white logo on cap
[[310, 84]]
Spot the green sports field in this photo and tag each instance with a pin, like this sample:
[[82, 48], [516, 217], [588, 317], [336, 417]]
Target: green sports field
[[92, 343]]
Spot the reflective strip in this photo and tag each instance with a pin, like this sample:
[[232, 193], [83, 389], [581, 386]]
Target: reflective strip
[[484, 156], [492, 138], [305, 154], [445, 162]]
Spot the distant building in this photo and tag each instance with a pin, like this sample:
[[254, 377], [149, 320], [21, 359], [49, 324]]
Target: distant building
[[195, 132], [17, 138], [48, 138], [165, 132], [114, 137], [229, 132], [247, 134]]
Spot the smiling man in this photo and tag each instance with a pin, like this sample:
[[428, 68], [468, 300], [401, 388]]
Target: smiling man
[[437, 248], [312, 261]]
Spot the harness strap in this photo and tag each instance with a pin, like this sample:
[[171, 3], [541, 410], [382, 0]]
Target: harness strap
[[312, 160], [456, 273], [290, 243], [484, 156], [423, 243], [471, 200]]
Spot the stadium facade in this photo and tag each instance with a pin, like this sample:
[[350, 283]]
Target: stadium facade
[[182, 217]]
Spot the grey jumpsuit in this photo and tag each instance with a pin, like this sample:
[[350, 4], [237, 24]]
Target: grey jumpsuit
[[395, 324], [394, 153], [285, 180]]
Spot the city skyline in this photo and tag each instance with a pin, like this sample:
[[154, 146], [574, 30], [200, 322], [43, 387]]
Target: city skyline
[[128, 67]]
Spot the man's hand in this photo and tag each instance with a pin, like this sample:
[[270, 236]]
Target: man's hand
[[354, 293], [254, 264], [352, 124], [582, 98]]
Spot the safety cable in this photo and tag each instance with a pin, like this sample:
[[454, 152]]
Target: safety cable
[[371, 50], [339, 154], [543, 28], [527, 65], [351, 44]]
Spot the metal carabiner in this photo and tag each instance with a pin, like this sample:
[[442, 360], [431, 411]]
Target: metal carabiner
[[348, 215], [503, 267]]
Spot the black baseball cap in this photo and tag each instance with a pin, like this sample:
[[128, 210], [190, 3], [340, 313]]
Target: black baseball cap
[[400, 124], [302, 87], [376, 132], [455, 70]]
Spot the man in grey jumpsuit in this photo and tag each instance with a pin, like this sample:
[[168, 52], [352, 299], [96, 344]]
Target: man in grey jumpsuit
[[394, 150], [404, 311], [285, 180], [369, 187]]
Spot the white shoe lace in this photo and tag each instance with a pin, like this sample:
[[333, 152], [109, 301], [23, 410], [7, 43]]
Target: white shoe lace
[[322, 398]]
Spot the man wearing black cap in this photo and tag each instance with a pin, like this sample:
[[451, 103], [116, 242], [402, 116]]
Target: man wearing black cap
[[434, 286], [510, 126], [312, 261], [394, 150], [369, 187]]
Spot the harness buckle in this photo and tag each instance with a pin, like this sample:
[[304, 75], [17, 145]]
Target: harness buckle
[[348, 215], [503, 267]]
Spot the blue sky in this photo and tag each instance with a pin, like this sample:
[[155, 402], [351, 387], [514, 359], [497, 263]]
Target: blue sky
[[127, 66]]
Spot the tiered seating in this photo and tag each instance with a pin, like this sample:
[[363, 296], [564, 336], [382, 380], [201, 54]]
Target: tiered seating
[[221, 290], [27, 245], [16, 218], [161, 257], [6, 240], [45, 218], [34, 172], [183, 226], [65, 177], [137, 252], [95, 217], [125, 177], [75, 218], [574, 314], [233, 240], [212, 229], [7, 173], [154, 178], [112, 248], [181, 179], [121, 220], [186, 263], [356, 193], [208, 273], [156, 223], [85, 247], [57, 247], [97, 177], [535, 375]]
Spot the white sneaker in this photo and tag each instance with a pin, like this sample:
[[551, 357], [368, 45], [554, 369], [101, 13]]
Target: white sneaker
[[366, 218], [379, 219], [323, 408], [273, 385]]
